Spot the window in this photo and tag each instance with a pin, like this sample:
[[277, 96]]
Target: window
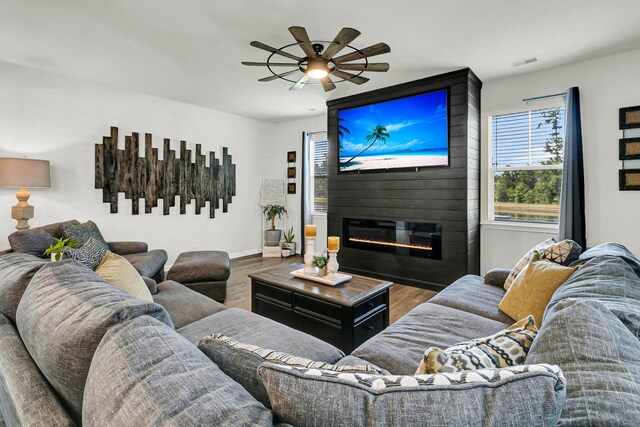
[[525, 175], [320, 177]]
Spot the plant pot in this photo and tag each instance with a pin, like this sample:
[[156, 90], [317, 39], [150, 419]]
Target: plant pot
[[322, 272], [286, 253], [56, 257], [292, 246], [272, 237]]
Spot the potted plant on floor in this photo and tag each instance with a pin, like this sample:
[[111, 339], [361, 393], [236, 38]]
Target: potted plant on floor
[[289, 243], [57, 249], [273, 212]]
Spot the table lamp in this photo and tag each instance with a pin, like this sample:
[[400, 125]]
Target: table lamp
[[23, 174]]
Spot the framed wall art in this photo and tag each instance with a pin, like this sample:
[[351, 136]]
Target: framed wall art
[[630, 117], [291, 172], [629, 179], [291, 157], [291, 188], [629, 148]]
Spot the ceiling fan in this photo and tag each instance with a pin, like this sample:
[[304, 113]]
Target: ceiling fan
[[320, 61]]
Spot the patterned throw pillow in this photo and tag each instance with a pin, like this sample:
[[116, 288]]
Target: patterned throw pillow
[[508, 347], [518, 395], [89, 254], [83, 232], [240, 362], [564, 253]]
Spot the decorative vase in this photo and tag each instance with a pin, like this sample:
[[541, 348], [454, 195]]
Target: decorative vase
[[286, 253], [322, 272], [55, 257], [292, 246], [272, 237]]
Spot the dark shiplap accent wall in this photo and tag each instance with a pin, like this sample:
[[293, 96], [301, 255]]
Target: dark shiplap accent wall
[[445, 195]]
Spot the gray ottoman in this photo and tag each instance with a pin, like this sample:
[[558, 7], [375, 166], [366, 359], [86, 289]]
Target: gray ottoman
[[203, 271]]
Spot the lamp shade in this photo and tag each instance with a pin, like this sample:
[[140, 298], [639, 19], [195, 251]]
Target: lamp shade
[[28, 173]]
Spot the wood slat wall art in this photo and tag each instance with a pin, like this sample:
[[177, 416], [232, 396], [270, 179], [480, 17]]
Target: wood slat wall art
[[148, 177]]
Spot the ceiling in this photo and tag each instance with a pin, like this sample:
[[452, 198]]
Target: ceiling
[[191, 50]]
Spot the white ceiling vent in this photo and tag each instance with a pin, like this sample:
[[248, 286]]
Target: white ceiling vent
[[525, 61]]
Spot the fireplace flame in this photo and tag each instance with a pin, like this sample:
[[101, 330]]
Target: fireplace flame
[[383, 243]]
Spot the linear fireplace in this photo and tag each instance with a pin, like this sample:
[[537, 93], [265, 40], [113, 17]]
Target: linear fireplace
[[397, 237]]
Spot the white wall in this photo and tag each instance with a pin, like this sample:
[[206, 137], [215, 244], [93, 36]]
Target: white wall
[[289, 137], [606, 84], [46, 116]]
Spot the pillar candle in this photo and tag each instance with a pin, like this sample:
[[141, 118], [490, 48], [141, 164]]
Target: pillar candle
[[310, 230], [333, 243]]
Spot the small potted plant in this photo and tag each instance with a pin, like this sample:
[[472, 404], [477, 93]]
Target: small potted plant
[[57, 249], [273, 212], [288, 241], [321, 262], [285, 250]]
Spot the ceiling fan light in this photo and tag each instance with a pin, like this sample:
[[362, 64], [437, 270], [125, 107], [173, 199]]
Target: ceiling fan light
[[317, 73]]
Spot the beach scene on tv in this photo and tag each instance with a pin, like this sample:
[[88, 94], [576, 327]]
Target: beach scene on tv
[[402, 133]]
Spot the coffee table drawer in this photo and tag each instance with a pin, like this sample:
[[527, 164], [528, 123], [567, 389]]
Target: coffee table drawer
[[327, 331], [271, 292], [369, 305], [321, 308], [369, 327], [272, 310]]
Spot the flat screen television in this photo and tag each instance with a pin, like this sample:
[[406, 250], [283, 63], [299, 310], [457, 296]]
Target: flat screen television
[[404, 133]]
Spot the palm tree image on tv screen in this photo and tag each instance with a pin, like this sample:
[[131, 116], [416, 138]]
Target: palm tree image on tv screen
[[402, 133]]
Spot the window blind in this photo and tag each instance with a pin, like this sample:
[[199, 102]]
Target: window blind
[[320, 199], [520, 139]]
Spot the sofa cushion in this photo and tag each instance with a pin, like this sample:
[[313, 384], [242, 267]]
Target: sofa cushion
[[84, 232], [89, 254], [517, 396], [144, 374], [506, 348], [16, 271], [609, 280], [55, 229], [150, 263], [532, 290], [63, 315], [26, 399], [564, 253], [400, 347], [614, 250], [119, 272], [251, 328], [184, 305], [471, 294], [351, 360], [600, 359], [240, 361], [33, 242]]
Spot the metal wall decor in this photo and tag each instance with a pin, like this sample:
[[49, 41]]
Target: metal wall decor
[[124, 171], [291, 172]]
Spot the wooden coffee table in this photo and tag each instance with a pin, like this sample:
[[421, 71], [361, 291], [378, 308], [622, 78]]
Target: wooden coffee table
[[345, 315]]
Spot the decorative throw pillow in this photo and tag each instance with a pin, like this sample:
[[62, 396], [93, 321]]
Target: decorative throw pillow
[[119, 272], [83, 232], [518, 395], [506, 348], [241, 361], [89, 254], [32, 242], [532, 290], [564, 253]]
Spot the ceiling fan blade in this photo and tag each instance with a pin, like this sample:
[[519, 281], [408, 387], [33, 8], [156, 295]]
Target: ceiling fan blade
[[301, 36], [277, 76], [300, 83], [381, 66], [268, 48], [351, 77], [327, 84], [267, 64], [376, 49], [344, 37]]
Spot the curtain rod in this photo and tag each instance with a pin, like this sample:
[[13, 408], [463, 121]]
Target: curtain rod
[[536, 98]]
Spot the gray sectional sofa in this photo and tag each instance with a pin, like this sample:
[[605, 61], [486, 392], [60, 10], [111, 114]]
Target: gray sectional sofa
[[76, 351]]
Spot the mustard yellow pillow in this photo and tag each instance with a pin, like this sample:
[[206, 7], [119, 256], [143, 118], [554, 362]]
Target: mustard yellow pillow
[[120, 273], [533, 288]]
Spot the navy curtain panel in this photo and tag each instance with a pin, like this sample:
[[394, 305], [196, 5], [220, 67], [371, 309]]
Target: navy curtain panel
[[572, 209]]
